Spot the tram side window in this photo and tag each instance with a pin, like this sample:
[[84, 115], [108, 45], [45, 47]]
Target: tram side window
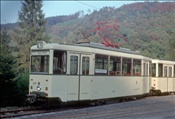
[[126, 67], [160, 71], [74, 65], [85, 66], [136, 67], [144, 65], [101, 65], [165, 71], [170, 71], [145, 69], [153, 70], [59, 62], [115, 66]]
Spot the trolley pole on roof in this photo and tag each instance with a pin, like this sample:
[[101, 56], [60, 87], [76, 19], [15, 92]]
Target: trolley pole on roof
[[111, 30]]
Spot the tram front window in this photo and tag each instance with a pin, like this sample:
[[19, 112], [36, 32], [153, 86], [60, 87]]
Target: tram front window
[[40, 64]]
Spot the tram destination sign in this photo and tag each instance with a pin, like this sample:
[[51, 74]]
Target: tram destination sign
[[40, 52]]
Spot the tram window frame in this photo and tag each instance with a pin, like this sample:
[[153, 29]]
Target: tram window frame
[[73, 65], [42, 66], [101, 64], [153, 69], [85, 65], [59, 62], [146, 69], [137, 64], [150, 69], [174, 70], [170, 71], [160, 70], [126, 65], [115, 66], [165, 71]]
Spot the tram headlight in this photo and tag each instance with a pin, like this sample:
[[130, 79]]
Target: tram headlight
[[38, 88]]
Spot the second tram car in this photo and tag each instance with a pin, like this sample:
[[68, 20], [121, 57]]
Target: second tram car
[[163, 73], [91, 72]]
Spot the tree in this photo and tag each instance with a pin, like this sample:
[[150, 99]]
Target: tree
[[7, 70], [5, 40], [31, 29], [31, 20]]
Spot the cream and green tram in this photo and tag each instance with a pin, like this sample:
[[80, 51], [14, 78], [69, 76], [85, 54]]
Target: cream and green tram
[[86, 72]]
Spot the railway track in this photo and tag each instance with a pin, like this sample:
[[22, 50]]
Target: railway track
[[132, 110], [39, 110], [19, 112], [149, 108], [36, 110]]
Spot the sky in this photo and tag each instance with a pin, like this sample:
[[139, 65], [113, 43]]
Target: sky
[[10, 8]]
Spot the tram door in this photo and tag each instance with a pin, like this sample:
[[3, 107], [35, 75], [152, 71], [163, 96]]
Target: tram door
[[73, 78], [165, 74], [146, 79], [85, 77], [78, 82], [168, 76]]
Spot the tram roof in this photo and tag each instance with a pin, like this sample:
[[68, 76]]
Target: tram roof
[[82, 45], [89, 47], [162, 61], [101, 46]]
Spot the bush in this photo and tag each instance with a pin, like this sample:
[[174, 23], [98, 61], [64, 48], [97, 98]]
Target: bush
[[14, 94], [22, 85]]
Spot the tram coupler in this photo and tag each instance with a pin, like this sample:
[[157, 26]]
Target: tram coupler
[[154, 92], [31, 98]]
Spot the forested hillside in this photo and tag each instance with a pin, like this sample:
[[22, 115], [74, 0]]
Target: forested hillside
[[149, 26]]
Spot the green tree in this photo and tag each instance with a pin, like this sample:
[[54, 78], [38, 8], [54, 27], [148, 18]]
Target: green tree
[[13, 84], [31, 20], [8, 71], [31, 29]]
